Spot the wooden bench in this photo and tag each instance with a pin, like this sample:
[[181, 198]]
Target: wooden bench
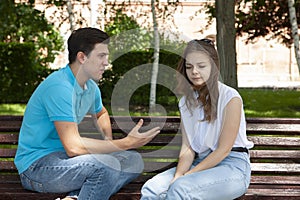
[[275, 158]]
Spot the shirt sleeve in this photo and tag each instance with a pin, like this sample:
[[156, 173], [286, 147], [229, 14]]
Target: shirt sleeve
[[97, 105], [230, 93], [58, 101]]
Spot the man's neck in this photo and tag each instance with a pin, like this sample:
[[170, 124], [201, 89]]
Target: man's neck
[[78, 74]]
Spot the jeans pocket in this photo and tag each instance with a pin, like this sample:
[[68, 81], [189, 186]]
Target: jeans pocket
[[29, 184]]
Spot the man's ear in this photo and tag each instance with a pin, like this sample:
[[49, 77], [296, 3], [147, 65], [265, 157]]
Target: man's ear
[[81, 57]]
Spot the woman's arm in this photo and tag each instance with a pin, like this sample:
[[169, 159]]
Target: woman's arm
[[186, 156], [229, 131]]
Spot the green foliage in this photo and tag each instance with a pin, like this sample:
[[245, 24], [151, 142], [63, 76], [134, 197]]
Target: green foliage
[[262, 18], [57, 3], [121, 22], [130, 60], [266, 18], [19, 71], [28, 45], [131, 46], [23, 23], [126, 35]]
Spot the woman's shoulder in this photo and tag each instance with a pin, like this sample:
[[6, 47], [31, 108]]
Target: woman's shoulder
[[226, 91], [182, 101]]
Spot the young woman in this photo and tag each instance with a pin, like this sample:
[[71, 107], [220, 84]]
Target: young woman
[[214, 159]]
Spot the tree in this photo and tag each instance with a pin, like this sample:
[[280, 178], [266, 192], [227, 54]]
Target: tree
[[160, 12], [295, 34], [74, 16], [262, 18], [152, 100], [226, 41], [71, 15], [29, 44], [23, 23], [269, 19]]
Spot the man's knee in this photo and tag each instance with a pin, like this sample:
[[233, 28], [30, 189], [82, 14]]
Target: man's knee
[[131, 161], [136, 162]]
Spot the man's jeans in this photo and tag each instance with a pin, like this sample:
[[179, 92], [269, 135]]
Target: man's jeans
[[91, 176]]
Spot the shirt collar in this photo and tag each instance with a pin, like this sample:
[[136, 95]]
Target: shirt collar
[[78, 89]]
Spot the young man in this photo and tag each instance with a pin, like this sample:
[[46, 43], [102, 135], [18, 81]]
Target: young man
[[52, 156]]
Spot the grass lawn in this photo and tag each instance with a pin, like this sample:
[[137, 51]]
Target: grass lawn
[[12, 109], [257, 103], [271, 103]]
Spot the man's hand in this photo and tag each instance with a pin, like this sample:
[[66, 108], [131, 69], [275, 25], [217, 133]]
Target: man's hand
[[138, 139], [75, 145]]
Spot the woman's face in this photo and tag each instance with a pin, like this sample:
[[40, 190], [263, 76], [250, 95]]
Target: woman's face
[[198, 67]]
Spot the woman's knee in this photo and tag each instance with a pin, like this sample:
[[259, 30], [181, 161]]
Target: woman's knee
[[179, 189], [151, 190], [158, 185]]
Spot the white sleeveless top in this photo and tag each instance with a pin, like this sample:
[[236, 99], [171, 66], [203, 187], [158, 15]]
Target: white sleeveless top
[[203, 135]]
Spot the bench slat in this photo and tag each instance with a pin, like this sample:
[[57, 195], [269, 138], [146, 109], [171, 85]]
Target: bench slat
[[275, 180], [9, 138], [275, 192], [272, 120], [161, 166], [7, 153], [255, 180], [7, 166], [275, 141], [276, 167], [166, 153], [165, 138], [274, 127], [276, 154]]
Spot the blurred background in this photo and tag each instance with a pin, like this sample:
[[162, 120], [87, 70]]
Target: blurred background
[[264, 65]]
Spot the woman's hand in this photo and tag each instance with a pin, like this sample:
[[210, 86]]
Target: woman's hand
[[176, 176]]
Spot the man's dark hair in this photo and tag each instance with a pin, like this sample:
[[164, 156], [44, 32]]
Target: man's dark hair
[[84, 39]]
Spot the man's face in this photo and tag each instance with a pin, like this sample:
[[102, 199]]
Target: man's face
[[96, 62]]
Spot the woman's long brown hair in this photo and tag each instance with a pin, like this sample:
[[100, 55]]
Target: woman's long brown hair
[[208, 92]]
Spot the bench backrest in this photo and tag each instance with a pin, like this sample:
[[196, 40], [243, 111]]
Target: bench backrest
[[277, 142]]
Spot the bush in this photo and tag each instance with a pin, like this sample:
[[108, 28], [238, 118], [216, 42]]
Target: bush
[[30, 44], [131, 60], [20, 73]]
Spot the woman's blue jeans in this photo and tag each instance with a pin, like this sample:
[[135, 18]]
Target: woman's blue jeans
[[90, 177], [228, 180]]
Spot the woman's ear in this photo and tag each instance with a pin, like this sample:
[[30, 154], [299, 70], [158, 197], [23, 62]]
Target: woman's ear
[[81, 57]]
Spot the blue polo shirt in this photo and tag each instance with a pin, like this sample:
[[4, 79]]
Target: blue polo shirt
[[58, 98]]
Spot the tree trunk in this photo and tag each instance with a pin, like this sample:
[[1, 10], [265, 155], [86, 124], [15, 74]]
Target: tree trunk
[[294, 25], [71, 15], [152, 100], [226, 43]]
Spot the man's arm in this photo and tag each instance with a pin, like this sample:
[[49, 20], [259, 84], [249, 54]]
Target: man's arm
[[76, 145], [104, 124]]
